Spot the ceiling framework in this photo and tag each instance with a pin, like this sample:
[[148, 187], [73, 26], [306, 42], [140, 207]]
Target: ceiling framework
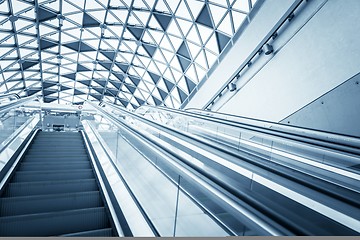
[[129, 52]]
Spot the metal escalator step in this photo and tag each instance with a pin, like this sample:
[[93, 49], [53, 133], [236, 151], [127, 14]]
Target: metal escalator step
[[56, 145], [55, 137], [55, 159], [40, 166], [49, 203], [36, 176], [105, 232], [57, 141], [57, 154], [56, 148], [54, 223], [49, 187]]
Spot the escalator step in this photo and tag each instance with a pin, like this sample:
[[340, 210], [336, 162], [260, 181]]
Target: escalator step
[[69, 142], [58, 154], [49, 187], [40, 166], [46, 150], [35, 176], [49, 203], [55, 159], [105, 232], [55, 148], [54, 223]]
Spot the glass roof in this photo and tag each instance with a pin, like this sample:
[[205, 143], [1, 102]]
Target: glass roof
[[129, 52]]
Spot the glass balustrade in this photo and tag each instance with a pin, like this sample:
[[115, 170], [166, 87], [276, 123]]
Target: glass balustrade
[[170, 209]]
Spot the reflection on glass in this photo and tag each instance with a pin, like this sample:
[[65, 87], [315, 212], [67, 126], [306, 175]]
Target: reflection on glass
[[10, 121], [170, 210]]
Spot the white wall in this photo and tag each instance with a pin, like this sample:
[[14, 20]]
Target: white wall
[[317, 51], [336, 111], [253, 34]]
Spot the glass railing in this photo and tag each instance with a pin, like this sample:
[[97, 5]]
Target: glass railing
[[14, 117], [171, 211], [317, 159], [16, 125], [252, 177]]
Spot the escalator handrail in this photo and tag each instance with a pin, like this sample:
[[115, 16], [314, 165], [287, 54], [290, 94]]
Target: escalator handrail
[[16, 103], [307, 132], [316, 137], [10, 95], [15, 134]]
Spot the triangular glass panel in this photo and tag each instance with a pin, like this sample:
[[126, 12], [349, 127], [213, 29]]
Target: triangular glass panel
[[49, 84], [106, 65], [113, 92], [49, 91], [85, 48], [28, 64], [98, 89], [183, 51], [204, 17], [85, 82], [169, 85], [135, 80], [184, 63], [45, 44], [43, 14], [109, 54], [49, 99], [217, 13], [157, 101], [164, 20], [132, 89], [96, 96], [116, 84], [123, 67], [100, 82], [226, 25], [222, 40], [32, 91], [136, 32], [163, 94], [190, 84], [119, 76], [124, 102], [81, 68], [154, 77], [77, 92], [150, 49], [64, 88], [89, 21], [73, 46]]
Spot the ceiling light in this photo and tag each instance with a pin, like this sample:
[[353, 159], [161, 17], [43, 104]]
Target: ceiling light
[[268, 49], [232, 87]]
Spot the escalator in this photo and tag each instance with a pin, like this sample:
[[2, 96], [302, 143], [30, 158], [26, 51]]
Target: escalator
[[327, 200], [54, 191]]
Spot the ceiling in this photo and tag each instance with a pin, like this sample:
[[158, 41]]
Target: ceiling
[[130, 52]]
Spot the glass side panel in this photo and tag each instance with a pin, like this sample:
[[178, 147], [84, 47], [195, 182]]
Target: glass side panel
[[11, 121], [327, 163], [170, 210]]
